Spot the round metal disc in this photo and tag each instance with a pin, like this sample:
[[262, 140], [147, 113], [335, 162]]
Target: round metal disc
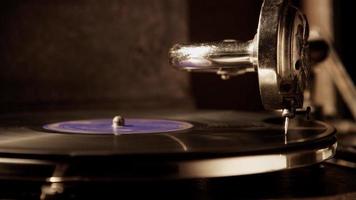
[[267, 37], [282, 55]]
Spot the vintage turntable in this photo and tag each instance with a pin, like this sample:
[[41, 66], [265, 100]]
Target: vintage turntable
[[190, 153]]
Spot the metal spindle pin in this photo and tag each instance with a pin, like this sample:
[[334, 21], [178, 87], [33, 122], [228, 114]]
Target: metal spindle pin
[[286, 125], [118, 121], [287, 114]]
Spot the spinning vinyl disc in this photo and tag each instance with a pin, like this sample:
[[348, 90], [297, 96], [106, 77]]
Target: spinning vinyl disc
[[158, 144], [107, 126]]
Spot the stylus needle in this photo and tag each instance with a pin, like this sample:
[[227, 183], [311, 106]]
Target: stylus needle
[[286, 124]]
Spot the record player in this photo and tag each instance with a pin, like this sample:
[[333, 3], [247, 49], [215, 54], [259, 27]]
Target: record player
[[282, 152]]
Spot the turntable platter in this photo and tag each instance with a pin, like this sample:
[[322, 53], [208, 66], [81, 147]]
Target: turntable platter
[[219, 143]]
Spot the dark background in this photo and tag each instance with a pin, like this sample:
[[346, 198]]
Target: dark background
[[100, 54], [345, 34], [216, 21]]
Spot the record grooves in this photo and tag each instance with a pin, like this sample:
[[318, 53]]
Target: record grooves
[[220, 143]]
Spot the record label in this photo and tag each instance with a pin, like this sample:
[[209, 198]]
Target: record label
[[105, 126]]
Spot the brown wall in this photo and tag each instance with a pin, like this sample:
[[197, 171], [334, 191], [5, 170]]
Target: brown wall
[[84, 52]]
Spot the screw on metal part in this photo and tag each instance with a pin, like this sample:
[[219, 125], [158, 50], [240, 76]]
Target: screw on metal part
[[288, 113], [118, 121]]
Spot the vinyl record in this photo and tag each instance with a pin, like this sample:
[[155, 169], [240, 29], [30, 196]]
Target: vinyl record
[[213, 144]]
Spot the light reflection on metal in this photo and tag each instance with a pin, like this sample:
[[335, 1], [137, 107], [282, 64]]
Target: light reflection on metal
[[244, 165], [286, 125], [195, 168], [234, 166], [278, 53]]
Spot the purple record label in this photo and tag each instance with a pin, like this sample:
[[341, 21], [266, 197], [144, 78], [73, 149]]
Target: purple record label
[[132, 126]]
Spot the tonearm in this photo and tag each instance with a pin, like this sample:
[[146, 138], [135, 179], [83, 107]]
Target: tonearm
[[279, 53]]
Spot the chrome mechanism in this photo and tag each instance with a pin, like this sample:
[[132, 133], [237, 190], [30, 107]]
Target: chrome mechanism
[[227, 58], [279, 53]]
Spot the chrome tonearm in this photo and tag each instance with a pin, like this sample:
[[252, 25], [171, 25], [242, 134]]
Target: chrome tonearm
[[279, 53]]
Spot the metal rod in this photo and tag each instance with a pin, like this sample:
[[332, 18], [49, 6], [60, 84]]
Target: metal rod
[[228, 57]]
